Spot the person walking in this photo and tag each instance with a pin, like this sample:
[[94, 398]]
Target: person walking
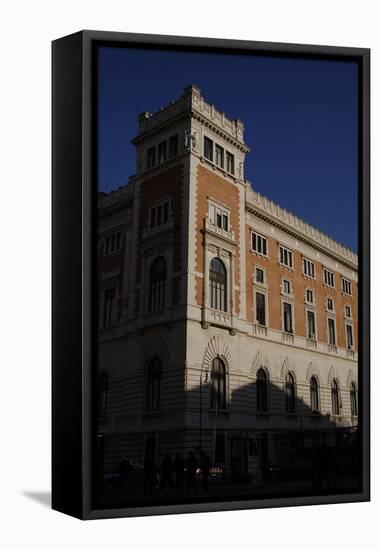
[[191, 472], [166, 472], [205, 469], [179, 472], [150, 475]]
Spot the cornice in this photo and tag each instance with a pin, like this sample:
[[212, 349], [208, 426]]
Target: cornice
[[280, 218]]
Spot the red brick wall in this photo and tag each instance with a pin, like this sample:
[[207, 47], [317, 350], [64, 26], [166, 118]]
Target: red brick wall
[[212, 186], [154, 188]]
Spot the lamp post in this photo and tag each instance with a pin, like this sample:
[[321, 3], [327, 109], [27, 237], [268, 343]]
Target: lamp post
[[200, 409]]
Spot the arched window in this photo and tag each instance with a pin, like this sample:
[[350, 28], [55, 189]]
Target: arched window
[[217, 285], [218, 384], [335, 398], [290, 393], [153, 384], [158, 277], [261, 390], [102, 394], [315, 403], [353, 399]]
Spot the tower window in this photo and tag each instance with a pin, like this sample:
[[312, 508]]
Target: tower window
[[159, 215], [230, 162], [219, 156], [218, 216], [208, 149], [173, 146], [158, 277], [217, 284], [151, 157], [162, 152]]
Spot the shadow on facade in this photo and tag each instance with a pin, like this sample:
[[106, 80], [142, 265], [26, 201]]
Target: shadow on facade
[[250, 454]]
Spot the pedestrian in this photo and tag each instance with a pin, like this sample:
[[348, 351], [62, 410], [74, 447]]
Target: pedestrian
[[205, 469], [150, 475], [179, 472], [166, 472], [191, 472], [124, 468]]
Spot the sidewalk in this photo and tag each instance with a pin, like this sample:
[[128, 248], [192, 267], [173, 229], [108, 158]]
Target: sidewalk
[[234, 491]]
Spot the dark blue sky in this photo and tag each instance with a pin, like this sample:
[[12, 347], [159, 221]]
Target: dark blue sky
[[300, 121]]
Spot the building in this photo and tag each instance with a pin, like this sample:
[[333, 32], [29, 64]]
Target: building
[[226, 323]]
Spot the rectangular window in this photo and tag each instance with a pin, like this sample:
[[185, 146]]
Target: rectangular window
[[208, 149], [151, 157], [329, 278], [230, 162], [259, 275], [286, 286], [218, 216], [260, 306], [349, 337], [225, 222], [287, 313], [159, 214], [311, 325], [173, 146], [346, 286], [259, 244], [165, 212], [286, 257], [109, 314], [309, 296], [331, 332], [162, 151], [112, 243], [348, 311], [330, 304], [308, 268], [219, 156]]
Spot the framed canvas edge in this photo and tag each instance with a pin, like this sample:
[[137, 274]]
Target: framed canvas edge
[[362, 55]]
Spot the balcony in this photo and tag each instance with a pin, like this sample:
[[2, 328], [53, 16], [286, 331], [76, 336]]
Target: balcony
[[311, 343], [158, 229], [332, 348], [260, 330], [288, 337], [219, 231]]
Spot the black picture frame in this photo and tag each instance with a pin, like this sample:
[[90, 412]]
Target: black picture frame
[[74, 242]]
